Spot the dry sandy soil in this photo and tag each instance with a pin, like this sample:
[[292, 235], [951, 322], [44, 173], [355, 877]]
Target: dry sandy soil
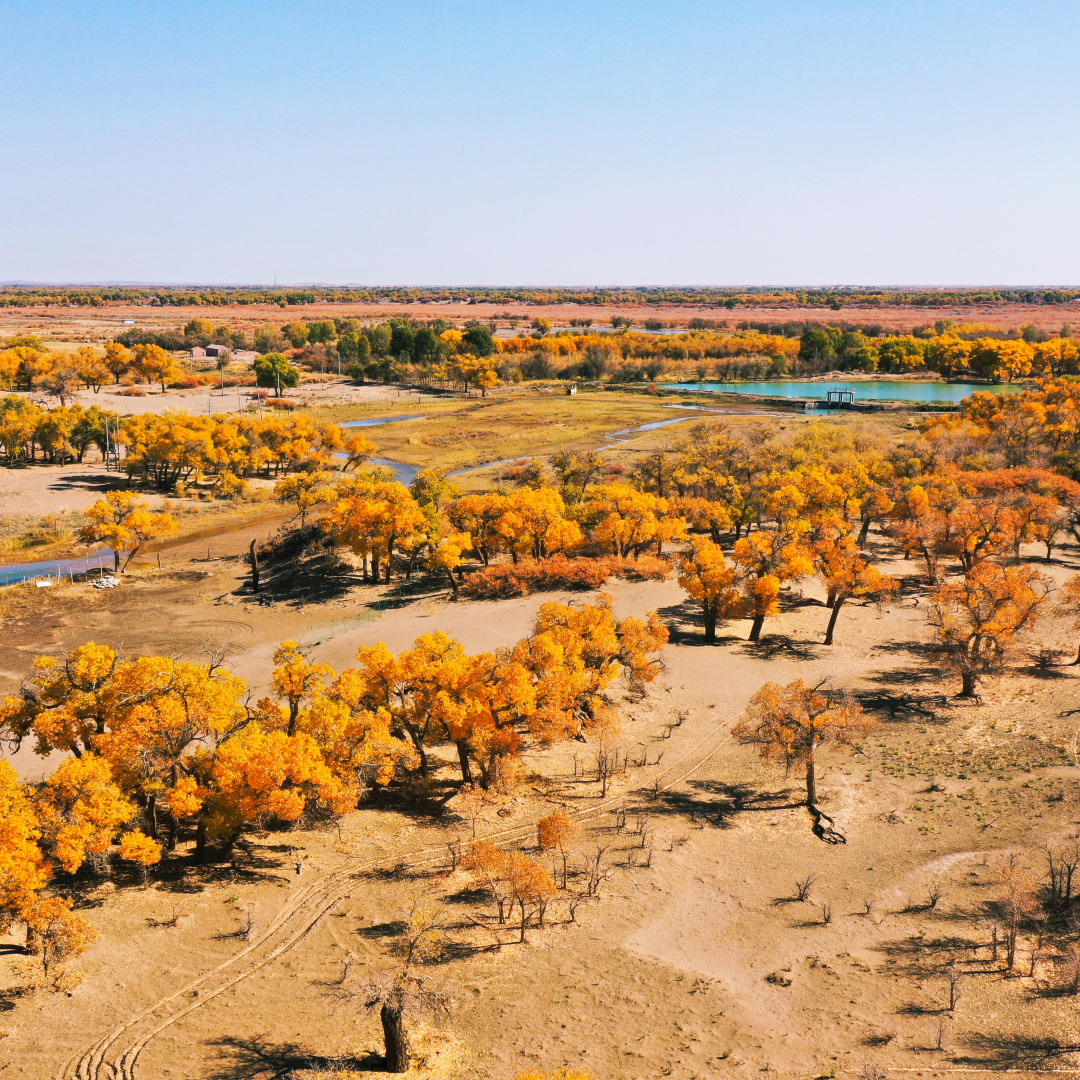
[[101, 324], [698, 965], [211, 400]]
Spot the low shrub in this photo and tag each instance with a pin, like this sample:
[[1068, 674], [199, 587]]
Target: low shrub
[[559, 572], [231, 486], [281, 403], [186, 382], [643, 568], [516, 471], [132, 391]]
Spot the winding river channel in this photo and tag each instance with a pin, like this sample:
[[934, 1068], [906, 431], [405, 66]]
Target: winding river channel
[[925, 392]]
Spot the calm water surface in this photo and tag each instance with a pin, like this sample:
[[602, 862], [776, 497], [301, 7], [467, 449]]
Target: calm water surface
[[869, 390]]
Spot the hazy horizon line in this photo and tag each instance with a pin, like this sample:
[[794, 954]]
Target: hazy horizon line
[[121, 283]]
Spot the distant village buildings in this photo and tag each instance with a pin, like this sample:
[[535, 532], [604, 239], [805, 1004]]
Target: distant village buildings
[[210, 351]]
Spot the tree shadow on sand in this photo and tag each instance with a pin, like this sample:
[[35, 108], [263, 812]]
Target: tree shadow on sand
[[777, 646], [900, 707], [1017, 1052], [686, 625], [259, 1059], [716, 803]]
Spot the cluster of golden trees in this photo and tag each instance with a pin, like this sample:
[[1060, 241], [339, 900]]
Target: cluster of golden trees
[[432, 524], [176, 446], [29, 366], [973, 351], [60, 435], [159, 746], [955, 495], [787, 508]]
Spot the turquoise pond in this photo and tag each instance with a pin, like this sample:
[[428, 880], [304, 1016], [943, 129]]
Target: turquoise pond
[[865, 390]]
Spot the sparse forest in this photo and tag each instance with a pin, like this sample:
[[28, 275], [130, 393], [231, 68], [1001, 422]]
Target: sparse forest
[[541, 765]]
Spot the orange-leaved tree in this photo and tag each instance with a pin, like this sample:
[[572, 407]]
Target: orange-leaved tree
[[531, 888], [138, 848], [922, 518], [447, 555], [306, 489], [378, 520], [122, 520], [789, 723], [478, 515], [629, 520], [154, 364], [23, 872], [265, 775], [977, 618], [81, 810], [55, 933], [428, 694], [556, 832], [534, 522], [297, 679], [490, 864], [1070, 604], [848, 574], [766, 560], [710, 580], [117, 359]]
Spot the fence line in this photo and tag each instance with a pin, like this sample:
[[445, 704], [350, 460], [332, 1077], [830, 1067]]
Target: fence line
[[68, 568], [369, 613]]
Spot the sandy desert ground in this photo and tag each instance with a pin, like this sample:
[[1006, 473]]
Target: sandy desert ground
[[695, 961], [698, 965]]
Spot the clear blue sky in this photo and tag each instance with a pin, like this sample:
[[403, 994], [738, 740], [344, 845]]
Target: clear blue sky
[[727, 143]]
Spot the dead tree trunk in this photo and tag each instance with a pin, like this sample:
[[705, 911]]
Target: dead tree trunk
[[395, 1037], [253, 556]]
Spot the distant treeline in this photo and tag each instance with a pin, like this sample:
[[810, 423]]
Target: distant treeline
[[762, 297], [430, 352]]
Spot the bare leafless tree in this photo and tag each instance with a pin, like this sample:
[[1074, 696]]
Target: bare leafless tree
[[1062, 863], [408, 993], [953, 975], [595, 871]]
